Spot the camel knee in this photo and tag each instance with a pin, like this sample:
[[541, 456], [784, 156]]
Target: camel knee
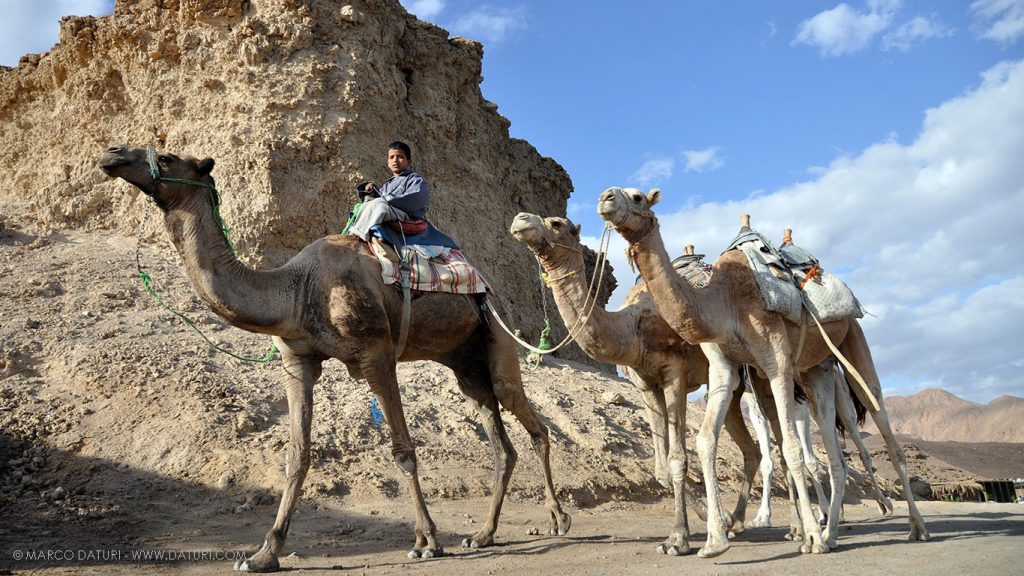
[[677, 467], [406, 461]]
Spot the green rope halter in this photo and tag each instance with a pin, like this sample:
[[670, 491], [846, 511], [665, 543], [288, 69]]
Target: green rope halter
[[147, 280]]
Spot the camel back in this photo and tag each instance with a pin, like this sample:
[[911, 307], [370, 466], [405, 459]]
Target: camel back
[[791, 278]]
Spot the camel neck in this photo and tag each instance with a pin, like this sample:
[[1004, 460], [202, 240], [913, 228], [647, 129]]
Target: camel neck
[[679, 303], [244, 297], [604, 335]]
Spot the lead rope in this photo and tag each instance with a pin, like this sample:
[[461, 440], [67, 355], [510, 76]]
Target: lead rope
[[588, 303], [147, 281], [533, 359]]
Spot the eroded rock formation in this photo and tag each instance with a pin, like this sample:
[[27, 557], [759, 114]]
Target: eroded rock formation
[[296, 101]]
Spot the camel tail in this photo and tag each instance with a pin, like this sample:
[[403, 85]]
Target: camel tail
[[860, 408]]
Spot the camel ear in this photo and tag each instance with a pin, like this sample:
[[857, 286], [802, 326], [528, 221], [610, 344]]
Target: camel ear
[[206, 166], [576, 229], [653, 196]]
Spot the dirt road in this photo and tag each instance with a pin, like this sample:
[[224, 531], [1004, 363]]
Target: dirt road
[[617, 538]]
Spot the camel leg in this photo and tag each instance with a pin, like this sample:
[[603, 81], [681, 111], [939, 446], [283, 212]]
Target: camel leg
[[300, 375], [483, 399], [654, 410], [507, 381], [855, 348], [723, 380], [821, 385], [848, 414], [678, 541], [781, 379], [760, 424], [741, 435], [380, 374], [811, 464], [761, 390]]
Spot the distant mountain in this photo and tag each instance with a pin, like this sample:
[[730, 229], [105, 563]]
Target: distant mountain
[[937, 415]]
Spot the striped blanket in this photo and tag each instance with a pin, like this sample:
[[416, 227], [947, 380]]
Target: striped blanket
[[433, 269]]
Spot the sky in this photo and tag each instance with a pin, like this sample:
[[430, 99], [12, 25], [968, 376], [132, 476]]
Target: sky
[[888, 134]]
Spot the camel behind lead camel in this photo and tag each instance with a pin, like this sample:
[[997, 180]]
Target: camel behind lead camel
[[729, 319], [330, 301], [659, 363], [663, 366]]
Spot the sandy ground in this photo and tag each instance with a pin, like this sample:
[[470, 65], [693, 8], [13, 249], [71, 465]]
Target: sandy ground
[[616, 538], [122, 434]]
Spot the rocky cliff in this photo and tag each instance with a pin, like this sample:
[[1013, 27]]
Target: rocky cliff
[[296, 101]]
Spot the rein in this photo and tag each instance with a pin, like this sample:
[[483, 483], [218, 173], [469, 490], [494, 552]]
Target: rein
[[147, 280], [589, 302]]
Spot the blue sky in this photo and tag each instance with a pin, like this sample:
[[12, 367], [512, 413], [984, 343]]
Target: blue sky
[[888, 134]]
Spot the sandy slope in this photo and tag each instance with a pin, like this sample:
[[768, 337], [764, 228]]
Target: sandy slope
[[121, 429]]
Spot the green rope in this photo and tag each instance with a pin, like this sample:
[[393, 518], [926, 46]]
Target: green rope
[[545, 336], [147, 282], [352, 217]]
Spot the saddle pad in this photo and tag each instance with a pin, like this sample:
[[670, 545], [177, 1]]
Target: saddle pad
[[780, 296], [830, 298], [433, 269], [693, 269]]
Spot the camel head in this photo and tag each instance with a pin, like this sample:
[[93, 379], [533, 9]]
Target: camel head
[[178, 178], [629, 211], [552, 239]]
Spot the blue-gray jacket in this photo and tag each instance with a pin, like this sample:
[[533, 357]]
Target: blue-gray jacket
[[407, 192]]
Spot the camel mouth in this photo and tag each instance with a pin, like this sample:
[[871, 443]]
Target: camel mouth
[[521, 224], [607, 207], [108, 162]]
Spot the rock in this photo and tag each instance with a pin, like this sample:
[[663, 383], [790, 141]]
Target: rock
[[58, 493], [242, 508], [613, 398], [292, 135]]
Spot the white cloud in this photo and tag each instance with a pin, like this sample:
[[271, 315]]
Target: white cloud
[[707, 160], [654, 171], [491, 24], [1004, 19], [923, 232], [33, 27], [845, 30], [424, 9], [914, 30]]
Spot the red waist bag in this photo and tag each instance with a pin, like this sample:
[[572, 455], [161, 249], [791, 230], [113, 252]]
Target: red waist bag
[[408, 227]]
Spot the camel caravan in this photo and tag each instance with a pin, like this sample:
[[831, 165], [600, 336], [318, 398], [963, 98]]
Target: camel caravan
[[684, 325]]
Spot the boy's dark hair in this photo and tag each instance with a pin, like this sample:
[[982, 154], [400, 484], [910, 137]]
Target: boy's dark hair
[[399, 145]]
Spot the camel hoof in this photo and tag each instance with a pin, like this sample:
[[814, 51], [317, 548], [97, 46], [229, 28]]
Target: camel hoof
[[678, 551], [809, 548], [481, 539], [919, 535], [564, 523], [759, 523], [258, 564], [432, 553], [713, 550], [661, 549], [794, 537]]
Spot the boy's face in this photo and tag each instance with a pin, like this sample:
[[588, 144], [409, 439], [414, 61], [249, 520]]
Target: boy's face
[[397, 161]]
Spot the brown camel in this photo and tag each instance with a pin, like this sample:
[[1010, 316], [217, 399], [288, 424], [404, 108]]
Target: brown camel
[[330, 301], [729, 319], [659, 363]]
